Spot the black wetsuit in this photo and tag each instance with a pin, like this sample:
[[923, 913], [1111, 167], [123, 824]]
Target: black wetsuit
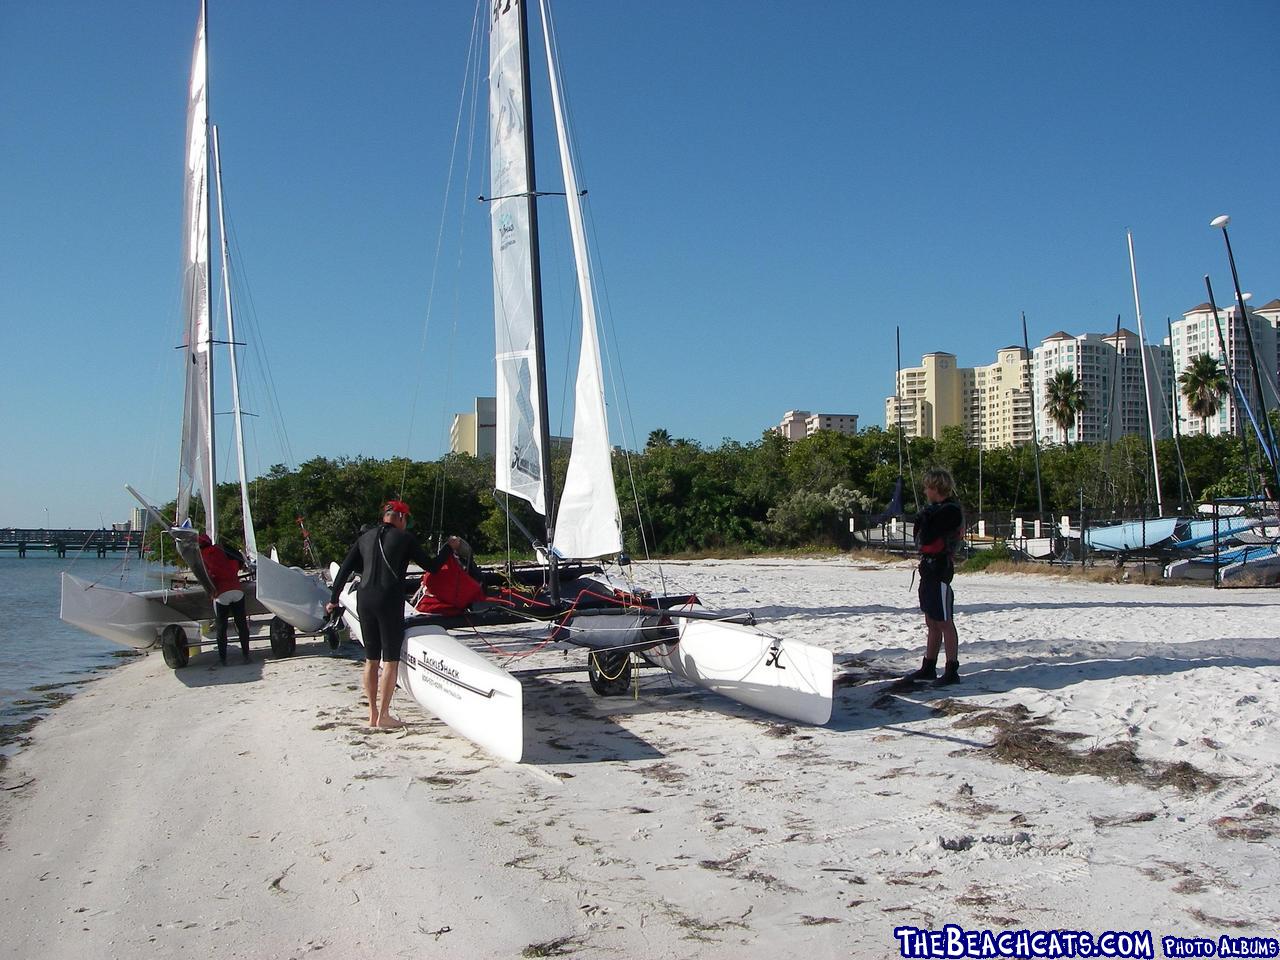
[[939, 529], [381, 556]]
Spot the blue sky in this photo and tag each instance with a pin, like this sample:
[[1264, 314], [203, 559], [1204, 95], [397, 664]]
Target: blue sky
[[773, 187]]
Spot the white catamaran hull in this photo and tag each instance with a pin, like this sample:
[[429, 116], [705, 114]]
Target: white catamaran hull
[[781, 677], [293, 595], [132, 619], [474, 696]]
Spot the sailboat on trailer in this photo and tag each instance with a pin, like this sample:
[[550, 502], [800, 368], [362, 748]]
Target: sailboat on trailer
[[172, 618], [571, 590]]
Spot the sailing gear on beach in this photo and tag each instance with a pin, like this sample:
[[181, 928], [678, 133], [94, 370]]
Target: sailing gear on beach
[[381, 556]]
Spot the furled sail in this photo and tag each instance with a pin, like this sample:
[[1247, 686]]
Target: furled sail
[[519, 458], [588, 522], [196, 464]]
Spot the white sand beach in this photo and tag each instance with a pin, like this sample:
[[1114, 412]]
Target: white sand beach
[[245, 811]]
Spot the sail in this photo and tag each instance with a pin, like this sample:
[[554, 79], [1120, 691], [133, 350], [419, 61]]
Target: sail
[[588, 522], [519, 458], [196, 463]]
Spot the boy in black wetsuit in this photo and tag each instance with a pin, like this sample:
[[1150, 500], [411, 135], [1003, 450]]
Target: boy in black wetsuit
[[939, 529], [381, 556]]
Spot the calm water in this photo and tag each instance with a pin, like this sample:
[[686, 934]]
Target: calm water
[[38, 649]]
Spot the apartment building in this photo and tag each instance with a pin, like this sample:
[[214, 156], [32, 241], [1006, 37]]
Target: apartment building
[[476, 433], [930, 396], [798, 424], [1197, 333], [998, 410], [1109, 369], [992, 402]]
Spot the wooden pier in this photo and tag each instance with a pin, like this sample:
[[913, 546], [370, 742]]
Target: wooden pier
[[62, 542]]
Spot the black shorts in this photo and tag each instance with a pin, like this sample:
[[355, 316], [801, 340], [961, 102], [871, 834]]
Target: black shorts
[[381, 626], [937, 601]]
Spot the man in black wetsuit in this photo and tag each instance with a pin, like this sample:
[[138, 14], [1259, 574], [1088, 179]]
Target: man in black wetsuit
[[939, 531], [381, 556]]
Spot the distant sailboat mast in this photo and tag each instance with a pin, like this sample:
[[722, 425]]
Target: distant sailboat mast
[[1146, 377]]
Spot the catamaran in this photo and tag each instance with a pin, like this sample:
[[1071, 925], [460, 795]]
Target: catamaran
[[583, 598], [173, 618]]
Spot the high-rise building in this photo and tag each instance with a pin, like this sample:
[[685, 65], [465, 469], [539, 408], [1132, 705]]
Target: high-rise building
[[798, 424], [1108, 368], [992, 403], [929, 397], [476, 433], [998, 412], [1197, 333]]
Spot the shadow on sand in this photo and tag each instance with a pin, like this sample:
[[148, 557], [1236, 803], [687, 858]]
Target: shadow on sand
[[869, 703]]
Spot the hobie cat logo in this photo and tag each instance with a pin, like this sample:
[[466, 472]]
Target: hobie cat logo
[[506, 231]]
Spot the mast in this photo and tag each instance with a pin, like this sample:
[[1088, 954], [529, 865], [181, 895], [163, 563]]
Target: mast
[[1183, 480], [211, 498], [1221, 223], [1146, 379], [535, 268], [1035, 434], [250, 541]]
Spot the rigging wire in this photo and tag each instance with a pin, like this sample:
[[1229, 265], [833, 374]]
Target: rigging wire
[[468, 88], [617, 379]]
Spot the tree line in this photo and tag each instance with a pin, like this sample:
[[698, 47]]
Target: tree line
[[679, 496]]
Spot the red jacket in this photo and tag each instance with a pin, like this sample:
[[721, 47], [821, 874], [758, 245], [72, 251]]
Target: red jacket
[[222, 567]]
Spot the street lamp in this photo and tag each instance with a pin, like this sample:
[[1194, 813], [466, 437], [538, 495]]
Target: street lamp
[[1220, 223]]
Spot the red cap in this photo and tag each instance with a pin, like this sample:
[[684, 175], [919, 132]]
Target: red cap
[[204, 540], [396, 506]]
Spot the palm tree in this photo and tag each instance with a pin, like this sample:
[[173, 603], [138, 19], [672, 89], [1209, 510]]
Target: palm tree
[[658, 438], [1204, 384], [1064, 399]]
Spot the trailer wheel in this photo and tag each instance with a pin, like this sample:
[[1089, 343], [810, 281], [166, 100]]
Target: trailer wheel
[[609, 672], [173, 647], [283, 639]]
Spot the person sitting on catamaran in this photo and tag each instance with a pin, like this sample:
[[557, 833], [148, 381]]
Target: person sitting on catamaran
[[381, 557], [223, 564]]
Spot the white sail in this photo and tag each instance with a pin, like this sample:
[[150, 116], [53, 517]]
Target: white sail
[[196, 464], [519, 458], [588, 522]]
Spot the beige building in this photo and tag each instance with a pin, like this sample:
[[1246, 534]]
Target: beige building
[[476, 432], [998, 413], [798, 424], [929, 397]]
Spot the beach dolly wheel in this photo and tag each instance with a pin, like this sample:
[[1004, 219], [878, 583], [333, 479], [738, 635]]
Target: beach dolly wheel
[[283, 639], [173, 646], [609, 672]]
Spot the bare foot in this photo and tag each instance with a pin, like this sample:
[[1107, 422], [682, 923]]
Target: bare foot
[[389, 723]]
